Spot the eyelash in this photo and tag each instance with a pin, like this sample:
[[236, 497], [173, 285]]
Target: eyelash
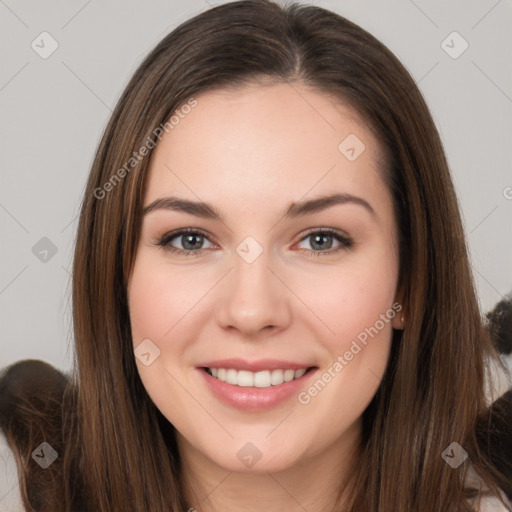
[[164, 242]]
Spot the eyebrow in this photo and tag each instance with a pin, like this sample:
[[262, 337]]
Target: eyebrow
[[296, 209]]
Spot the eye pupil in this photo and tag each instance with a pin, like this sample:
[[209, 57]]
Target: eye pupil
[[321, 246], [192, 236]]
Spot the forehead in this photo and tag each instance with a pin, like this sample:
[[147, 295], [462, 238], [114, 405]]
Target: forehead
[[265, 141]]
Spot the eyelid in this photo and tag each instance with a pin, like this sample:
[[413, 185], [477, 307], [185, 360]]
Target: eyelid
[[332, 231], [343, 238], [164, 240]]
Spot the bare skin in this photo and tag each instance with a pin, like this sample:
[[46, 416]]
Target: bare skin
[[250, 153]]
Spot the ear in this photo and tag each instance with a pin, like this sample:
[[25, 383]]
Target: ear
[[397, 319]]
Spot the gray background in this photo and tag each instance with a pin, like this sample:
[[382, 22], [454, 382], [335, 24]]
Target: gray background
[[53, 112]]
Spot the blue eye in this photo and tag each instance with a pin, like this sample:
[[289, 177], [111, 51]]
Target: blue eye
[[192, 240], [190, 237], [318, 238]]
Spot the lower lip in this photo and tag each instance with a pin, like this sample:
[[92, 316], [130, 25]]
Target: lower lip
[[251, 398]]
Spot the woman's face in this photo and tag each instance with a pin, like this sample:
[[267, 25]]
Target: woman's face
[[261, 292]]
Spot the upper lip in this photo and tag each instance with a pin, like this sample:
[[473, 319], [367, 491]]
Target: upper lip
[[254, 366]]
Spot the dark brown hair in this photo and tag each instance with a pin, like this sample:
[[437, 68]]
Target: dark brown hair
[[118, 452]]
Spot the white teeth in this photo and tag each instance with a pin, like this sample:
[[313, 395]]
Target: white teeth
[[244, 378], [300, 373], [231, 377], [276, 377], [263, 379], [289, 375]]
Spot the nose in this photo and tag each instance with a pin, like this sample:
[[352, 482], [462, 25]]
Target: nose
[[253, 298]]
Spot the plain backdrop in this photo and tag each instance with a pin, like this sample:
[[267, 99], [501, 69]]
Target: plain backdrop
[[54, 110]]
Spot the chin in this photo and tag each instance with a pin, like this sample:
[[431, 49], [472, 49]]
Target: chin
[[240, 461]]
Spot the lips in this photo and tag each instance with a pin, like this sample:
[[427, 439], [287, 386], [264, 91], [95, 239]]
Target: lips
[[255, 385]]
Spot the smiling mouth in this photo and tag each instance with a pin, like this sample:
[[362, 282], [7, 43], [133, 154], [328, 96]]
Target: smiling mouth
[[261, 379]]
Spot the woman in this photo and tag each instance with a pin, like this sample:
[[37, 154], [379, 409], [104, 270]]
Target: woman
[[215, 376]]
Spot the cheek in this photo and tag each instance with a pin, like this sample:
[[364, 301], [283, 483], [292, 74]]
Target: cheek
[[158, 306], [350, 301], [157, 301], [355, 305], [148, 307]]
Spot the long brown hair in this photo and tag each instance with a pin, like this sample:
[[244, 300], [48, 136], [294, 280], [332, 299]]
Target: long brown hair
[[118, 452]]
